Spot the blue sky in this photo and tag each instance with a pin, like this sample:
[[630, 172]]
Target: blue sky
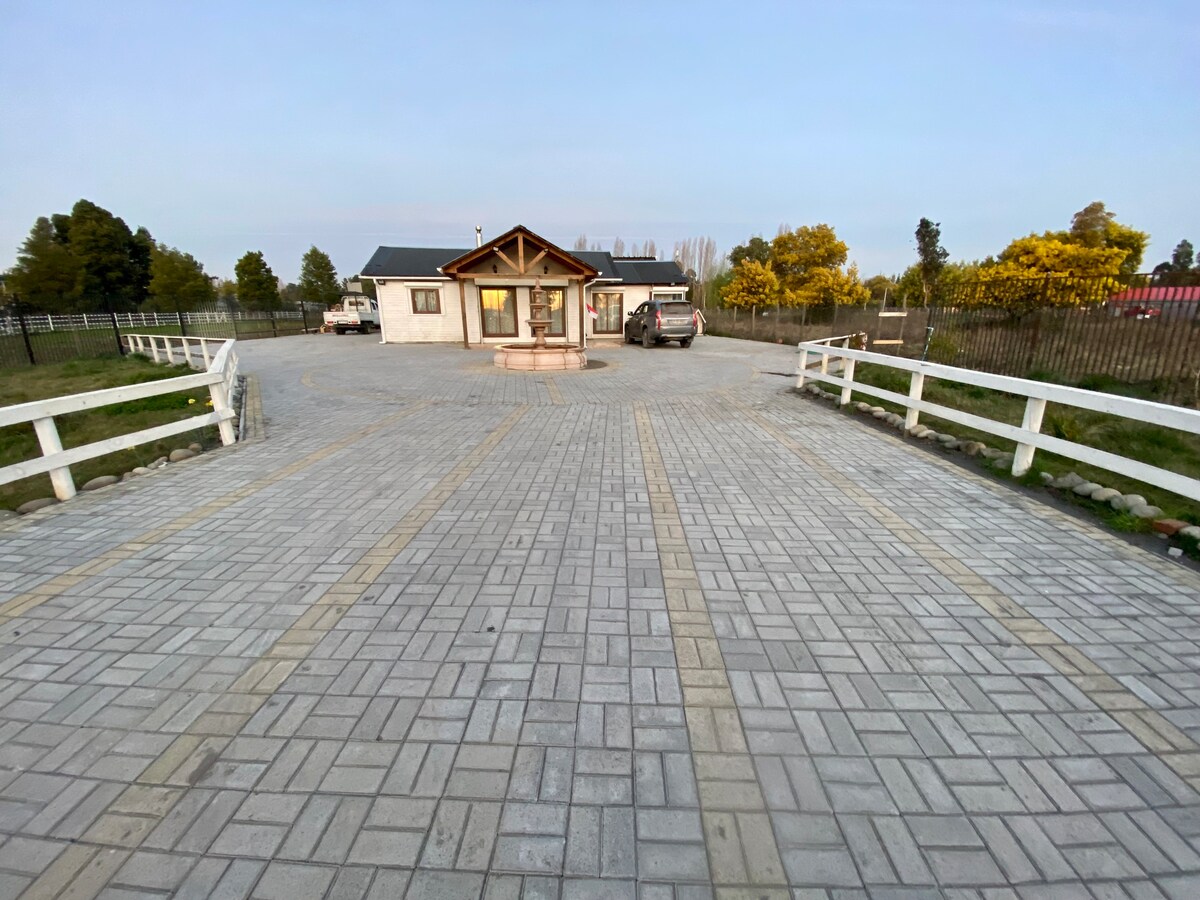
[[225, 127]]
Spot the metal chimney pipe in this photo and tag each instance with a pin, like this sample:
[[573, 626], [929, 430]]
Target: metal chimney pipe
[[478, 235]]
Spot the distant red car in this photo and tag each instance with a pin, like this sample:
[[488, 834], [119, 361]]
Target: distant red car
[[1141, 312]]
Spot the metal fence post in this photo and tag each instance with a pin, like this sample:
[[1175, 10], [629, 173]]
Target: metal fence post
[[115, 327], [303, 317], [24, 331], [274, 330], [179, 316]]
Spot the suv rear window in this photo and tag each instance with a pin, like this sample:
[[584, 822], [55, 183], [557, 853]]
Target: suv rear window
[[677, 309]]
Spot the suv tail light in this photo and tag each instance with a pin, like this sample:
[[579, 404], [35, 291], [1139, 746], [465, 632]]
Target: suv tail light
[[658, 319], [696, 319]]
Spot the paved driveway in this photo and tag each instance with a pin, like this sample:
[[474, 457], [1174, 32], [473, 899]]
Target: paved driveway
[[658, 629]]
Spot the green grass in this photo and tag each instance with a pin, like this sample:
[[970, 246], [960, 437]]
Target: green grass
[[1163, 447], [18, 443]]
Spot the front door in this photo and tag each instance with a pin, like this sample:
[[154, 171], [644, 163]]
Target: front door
[[608, 313]]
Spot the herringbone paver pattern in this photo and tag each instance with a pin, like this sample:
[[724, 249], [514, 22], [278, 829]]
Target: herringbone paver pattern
[[660, 630]]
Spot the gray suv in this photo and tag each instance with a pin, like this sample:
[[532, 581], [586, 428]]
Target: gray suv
[[661, 320]]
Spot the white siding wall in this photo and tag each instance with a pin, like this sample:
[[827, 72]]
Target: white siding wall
[[402, 325]]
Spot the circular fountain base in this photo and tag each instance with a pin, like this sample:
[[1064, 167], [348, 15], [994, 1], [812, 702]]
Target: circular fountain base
[[528, 358]]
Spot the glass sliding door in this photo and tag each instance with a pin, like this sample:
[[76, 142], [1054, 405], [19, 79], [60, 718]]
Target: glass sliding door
[[608, 313], [498, 311], [555, 297]]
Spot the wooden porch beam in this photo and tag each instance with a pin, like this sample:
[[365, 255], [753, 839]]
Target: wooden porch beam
[[462, 305], [521, 253], [508, 262]]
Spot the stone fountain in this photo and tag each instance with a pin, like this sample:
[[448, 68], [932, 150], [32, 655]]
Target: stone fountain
[[539, 355]]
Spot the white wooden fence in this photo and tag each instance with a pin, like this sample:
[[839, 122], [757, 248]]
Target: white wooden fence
[[216, 356], [1027, 435], [84, 321]]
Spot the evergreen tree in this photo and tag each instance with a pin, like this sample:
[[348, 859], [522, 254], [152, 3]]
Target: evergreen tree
[[257, 287], [318, 279]]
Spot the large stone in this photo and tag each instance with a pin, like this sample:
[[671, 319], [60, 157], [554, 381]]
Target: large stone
[[35, 505], [1067, 482], [1192, 531], [930, 435], [947, 439], [1145, 511], [99, 482], [180, 455], [195, 448], [1104, 495], [1086, 488], [1000, 464], [973, 448], [1127, 502], [159, 463], [140, 470], [991, 453], [919, 431], [1045, 477], [862, 407], [1169, 526]]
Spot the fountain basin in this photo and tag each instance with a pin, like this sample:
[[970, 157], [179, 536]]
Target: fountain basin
[[528, 358]]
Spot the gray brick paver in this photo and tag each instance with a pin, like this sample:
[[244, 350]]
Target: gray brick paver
[[904, 743]]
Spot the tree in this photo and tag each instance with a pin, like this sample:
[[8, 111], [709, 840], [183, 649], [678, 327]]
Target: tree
[[46, 275], [257, 287], [881, 289], [114, 265], [1040, 270], [1183, 258], [618, 247], [177, 281], [808, 261], [318, 278], [1096, 228], [931, 255], [580, 243], [755, 248], [753, 284], [699, 260]]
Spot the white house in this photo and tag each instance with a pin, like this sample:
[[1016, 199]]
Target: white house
[[481, 296]]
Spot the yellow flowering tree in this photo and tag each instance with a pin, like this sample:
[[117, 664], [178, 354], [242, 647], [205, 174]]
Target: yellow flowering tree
[[753, 284]]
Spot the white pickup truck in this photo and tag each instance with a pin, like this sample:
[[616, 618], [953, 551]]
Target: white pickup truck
[[356, 312]]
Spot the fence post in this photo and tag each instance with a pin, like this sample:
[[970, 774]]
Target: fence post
[[303, 317], [274, 330], [848, 375], [220, 402], [1023, 458], [115, 327], [24, 331], [801, 366], [47, 435], [753, 313], [916, 385], [179, 316]]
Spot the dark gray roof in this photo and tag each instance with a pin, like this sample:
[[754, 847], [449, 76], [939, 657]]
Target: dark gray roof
[[408, 262], [423, 262], [650, 272]]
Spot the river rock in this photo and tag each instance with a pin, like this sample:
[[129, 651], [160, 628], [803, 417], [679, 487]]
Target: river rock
[[140, 470], [1192, 531], [1105, 494], [159, 463], [973, 448], [918, 431], [99, 482], [930, 435], [180, 455], [35, 505], [1000, 464], [195, 448], [946, 439], [1127, 502], [862, 407], [1067, 482], [1086, 488], [1045, 477], [1145, 511]]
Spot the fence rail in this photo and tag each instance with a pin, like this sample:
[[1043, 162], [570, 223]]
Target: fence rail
[[219, 375], [11, 324], [1027, 435]]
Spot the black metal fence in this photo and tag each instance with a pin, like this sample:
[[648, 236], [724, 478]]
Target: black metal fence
[[1139, 333], [29, 336]]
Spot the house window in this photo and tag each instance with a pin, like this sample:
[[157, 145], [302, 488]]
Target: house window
[[498, 309], [608, 313], [427, 300], [555, 297]]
